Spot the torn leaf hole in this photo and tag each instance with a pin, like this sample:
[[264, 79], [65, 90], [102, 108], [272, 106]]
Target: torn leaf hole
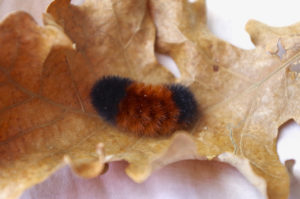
[[280, 50], [295, 67], [168, 63], [77, 2]]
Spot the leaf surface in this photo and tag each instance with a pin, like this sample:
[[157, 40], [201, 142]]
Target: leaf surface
[[46, 74]]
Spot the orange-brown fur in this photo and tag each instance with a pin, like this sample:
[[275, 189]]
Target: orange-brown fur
[[148, 110]]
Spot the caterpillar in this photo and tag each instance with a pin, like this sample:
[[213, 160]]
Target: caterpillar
[[142, 109]]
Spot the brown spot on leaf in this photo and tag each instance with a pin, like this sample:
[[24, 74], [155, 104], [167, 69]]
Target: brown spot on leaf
[[216, 68]]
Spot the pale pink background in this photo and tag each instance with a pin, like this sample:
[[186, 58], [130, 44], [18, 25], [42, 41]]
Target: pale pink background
[[191, 178]]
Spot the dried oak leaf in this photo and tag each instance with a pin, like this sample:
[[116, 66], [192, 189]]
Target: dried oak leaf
[[46, 115]]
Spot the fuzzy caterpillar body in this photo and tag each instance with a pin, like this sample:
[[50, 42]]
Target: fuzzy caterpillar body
[[145, 110]]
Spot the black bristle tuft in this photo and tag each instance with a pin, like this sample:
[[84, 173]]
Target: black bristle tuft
[[186, 103], [107, 94]]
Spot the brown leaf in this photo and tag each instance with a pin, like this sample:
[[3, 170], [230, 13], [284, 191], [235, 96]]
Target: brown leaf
[[45, 80], [245, 94]]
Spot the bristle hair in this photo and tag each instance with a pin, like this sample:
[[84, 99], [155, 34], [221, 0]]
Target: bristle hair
[[145, 110], [186, 103], [107, 94], [148, 110]]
